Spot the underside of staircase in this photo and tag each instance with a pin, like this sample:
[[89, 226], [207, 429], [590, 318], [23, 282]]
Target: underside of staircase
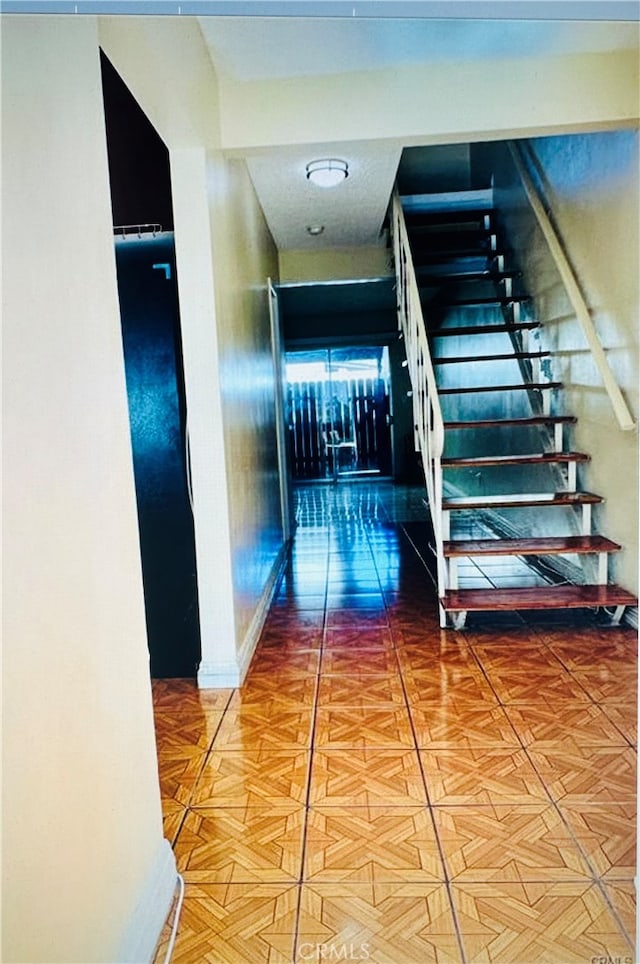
[[510, 480]]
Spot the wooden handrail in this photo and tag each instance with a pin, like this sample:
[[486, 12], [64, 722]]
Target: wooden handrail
[[620, 408], [428, 421]]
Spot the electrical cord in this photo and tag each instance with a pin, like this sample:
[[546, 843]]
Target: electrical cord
[[176, 920]]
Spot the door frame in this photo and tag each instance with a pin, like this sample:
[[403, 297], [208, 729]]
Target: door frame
[[284, 467], [329, 347]]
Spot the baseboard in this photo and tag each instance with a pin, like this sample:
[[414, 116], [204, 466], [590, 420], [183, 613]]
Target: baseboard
[[149, 916], [215, 676], [220, 676], [250, 641]]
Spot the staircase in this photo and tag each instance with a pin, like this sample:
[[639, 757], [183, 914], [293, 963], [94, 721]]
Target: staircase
[[501, 478]]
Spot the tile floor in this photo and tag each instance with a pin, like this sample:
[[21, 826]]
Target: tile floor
[[383, 790]]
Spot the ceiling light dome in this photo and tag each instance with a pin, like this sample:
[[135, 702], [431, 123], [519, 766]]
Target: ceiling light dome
[[327, 172]]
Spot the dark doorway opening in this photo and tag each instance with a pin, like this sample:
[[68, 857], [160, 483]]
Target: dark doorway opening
[[149, 310]]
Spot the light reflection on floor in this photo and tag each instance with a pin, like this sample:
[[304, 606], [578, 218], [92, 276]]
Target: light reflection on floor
[[388, 790]]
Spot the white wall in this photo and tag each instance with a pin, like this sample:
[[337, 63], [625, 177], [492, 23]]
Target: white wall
[[591, 185], [205, 416], [83, 842]]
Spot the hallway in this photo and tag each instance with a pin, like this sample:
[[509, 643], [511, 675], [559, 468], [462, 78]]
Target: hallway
[[383, 790]]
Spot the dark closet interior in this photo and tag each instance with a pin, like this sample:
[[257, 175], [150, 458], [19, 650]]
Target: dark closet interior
[[140, 182]]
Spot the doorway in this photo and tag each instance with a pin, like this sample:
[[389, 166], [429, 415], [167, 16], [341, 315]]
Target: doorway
[[152, 346], [338, 413], [150, 320]]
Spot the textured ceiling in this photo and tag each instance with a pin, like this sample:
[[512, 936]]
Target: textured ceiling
[[245, 49], [351, 214]]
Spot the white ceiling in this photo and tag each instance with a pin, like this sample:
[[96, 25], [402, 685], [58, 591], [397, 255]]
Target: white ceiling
[[259, 48], [245, 49], [351, 214]]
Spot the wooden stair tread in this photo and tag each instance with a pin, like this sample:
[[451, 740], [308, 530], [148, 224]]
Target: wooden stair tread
[[462, 275], [483, 329], [439, 302], [517, 500], [452, 202], [468, 229], [424, 255], [535, 458], [507, 356], [446, 216], [539, 597], [520, 386], [526, 422], [544, 546]]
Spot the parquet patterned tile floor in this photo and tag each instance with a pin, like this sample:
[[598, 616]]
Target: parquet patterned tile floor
[[383, 790]]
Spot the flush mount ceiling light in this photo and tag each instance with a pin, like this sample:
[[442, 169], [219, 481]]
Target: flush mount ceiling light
[[328, 172]]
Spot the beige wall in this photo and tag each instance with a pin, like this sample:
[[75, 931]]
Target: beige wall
[[82, 830], [244, 258], [435, 103], [87, 874], [591, 184], [168, 70], [332, 264]]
